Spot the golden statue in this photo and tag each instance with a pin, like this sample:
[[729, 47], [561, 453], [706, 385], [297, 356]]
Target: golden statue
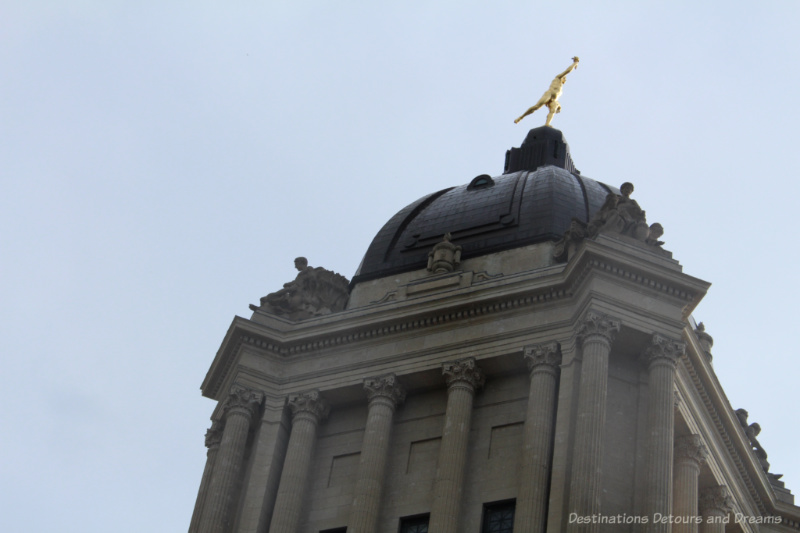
[[550, 97]]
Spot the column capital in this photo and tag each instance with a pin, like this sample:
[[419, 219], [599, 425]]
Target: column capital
[[465, 373], [716, 499], [691, 448], [242, 400], [308, 403], [663, 350], [548, 354], [214, 435], [385, 386], [598, 326]]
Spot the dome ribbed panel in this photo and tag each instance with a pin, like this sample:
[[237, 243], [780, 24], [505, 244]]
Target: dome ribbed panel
[[520, 208]]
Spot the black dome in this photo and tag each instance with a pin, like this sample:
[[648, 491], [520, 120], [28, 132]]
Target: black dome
[[534, 201]]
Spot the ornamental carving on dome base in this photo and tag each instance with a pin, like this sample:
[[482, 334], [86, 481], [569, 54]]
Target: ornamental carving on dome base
[[314, 292], [620, 215], [445, 256]]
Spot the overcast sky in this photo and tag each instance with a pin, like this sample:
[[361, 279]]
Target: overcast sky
[[162, 163]]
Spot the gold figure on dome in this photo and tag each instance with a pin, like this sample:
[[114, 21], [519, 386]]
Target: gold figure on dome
[[550, 97]]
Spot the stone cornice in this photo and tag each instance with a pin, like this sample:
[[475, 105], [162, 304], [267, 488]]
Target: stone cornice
[[485, 299], [615, 258]]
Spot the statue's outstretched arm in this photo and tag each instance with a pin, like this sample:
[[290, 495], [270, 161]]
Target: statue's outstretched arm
[[572, 67]]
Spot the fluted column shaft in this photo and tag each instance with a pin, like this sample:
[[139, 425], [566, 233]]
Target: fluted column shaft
[[384, 394], [690, 453], [213, 438], [463, 379], [595, 335], [661, 356], [240, 408], [715, 504], [308, 410], [531, 510]]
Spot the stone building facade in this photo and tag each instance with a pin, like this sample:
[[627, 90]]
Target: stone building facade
[[517, 353]]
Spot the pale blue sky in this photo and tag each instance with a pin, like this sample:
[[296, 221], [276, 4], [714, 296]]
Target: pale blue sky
[[162, 163]]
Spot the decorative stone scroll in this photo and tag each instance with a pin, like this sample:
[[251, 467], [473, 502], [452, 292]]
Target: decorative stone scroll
[[716, 500], [538, 355], [214, 435], [619, 215], [691, 448], [598, 326], [444, 257], [464, 372], [243, 400], [385, 387], [663, 350], [309, 403], [314, 292]]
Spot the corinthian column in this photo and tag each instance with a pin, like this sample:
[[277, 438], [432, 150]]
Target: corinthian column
[[543, 361], [463, 379], [384, 394], [690, 453], [661, 357], [213, 438], [240, 408], [308, 410], [595, 335], [715, 504]]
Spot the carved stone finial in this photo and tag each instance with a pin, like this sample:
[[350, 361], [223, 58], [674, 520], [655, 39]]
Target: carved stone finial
[[691, 447], [706, 340], [308, 403], [314, 292], [445, 256], [214, 435], [243, 400], [598, 325], [663, 350], [715, 499], [464, 372], [538, 355], [385, 386]]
